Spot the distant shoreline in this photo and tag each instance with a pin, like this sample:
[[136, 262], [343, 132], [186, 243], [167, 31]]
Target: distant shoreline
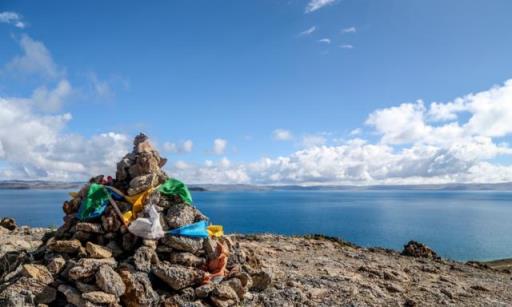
[[56, 185]]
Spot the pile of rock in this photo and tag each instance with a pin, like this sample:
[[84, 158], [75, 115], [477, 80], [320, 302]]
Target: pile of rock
[[100, 263], [419, 250]]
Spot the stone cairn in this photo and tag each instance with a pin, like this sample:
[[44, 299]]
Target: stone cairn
[[100, 263]]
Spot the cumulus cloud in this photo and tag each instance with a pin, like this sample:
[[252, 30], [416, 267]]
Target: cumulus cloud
[[35, 60], [188, 145], [346, 46], [170, 147], [52, 100], [35, 146], [325, 40], [12, 18], [185, 147], [418, 144], [219, 146], [314, 5], [308, 31], [282, 135]]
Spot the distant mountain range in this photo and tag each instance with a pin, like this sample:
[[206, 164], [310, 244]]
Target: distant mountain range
[[54, 185]]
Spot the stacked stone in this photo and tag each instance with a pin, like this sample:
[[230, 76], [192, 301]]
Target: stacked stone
[[100, 263]]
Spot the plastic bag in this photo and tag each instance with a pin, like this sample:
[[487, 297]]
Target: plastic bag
[[148, 228]]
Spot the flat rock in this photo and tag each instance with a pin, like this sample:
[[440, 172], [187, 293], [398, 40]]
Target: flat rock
[[97, 251], [179, 215], [187, 259], [204, 290], [110, 281], [184, 244], [100, 297], [177, 276], [65, 246], [89, 227], [142, 183], [56, 264], [27, 289], [224, 295], [37, 272], [87, 267]]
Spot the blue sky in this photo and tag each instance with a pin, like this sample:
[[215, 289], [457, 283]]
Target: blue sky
[[272, 80]]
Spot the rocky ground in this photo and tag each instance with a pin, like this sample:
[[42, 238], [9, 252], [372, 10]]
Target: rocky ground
[[322, 271]]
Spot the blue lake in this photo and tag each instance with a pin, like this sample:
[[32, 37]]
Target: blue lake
[[459, 225]]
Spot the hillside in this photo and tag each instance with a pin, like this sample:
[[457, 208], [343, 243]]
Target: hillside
[[321, 271]]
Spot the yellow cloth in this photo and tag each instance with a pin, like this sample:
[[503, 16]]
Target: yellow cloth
[[215, 231], [137, 202], [73, 194]]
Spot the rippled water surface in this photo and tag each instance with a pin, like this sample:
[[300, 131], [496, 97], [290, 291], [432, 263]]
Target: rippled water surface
[[459, 225]]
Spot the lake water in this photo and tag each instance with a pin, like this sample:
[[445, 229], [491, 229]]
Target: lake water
[[459, 225]]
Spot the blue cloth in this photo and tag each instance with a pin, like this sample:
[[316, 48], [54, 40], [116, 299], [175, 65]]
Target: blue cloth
[[195, 230]]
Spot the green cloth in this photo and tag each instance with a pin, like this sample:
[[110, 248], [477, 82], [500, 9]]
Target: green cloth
[[172, 187], [95, 203]]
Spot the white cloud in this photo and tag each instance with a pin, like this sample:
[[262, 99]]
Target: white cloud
[[349, 30], [100, 88], [12, 18], [170, 147], [308, 31], [212, 173], [282, 135], [356, 131], [314, 5], [219, 146], [346, 46], [313, 140], [181, 165], [456, 141], [325, 40], [402, 124], [419, 144], [35, 60], [224, 162], [188, 145], [52, 100], [185, 147], [35, 146]]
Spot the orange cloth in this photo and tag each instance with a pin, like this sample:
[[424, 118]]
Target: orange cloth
[[217, 267]]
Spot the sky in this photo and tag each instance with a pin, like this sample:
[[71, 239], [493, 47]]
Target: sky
[[305, 92]]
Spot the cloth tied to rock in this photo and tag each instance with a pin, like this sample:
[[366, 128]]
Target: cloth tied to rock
[[149, 227], [172, 187], [94, 204], [137, 202]]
